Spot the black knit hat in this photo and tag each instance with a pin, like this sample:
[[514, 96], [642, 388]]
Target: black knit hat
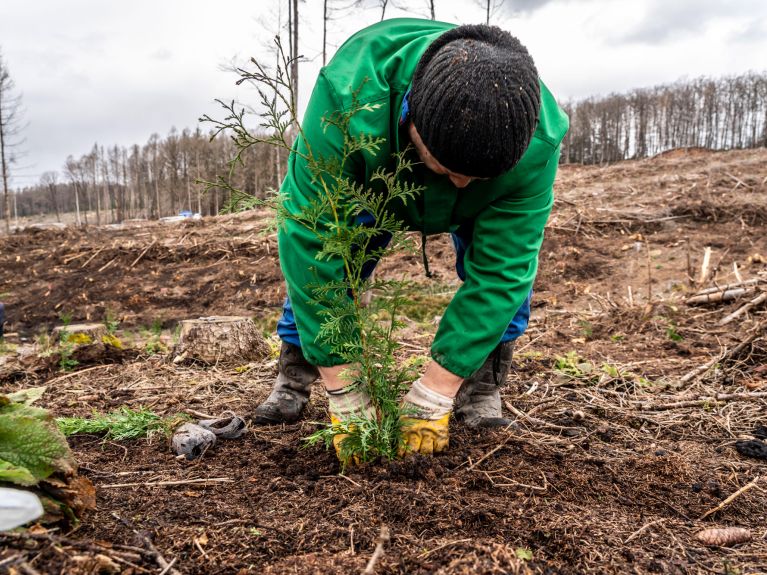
[[475, 100]]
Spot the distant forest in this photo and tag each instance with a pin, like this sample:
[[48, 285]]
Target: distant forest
[[114, 184]]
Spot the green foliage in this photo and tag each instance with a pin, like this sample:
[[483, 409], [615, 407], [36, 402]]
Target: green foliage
[[361, 335], [65, 317], [122, 424], [672, 333], [574, 367], [111, 322], [66, 349], [31, 445]]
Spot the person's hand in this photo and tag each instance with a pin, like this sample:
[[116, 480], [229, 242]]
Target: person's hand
[[425, 436], [344, 404], [425, 420]]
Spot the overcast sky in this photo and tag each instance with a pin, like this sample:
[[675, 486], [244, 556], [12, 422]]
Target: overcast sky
[[114, 72]]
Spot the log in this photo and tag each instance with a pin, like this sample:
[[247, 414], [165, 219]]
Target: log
[[79, 333], [221, 339]]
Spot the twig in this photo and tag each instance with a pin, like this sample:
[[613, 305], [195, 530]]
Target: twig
[[724, 355], [641, 530], [98, 251], [535, 420], [349, 479], [383, 539], [106, 265], [169, 565], [493, 450], [74, 373], [448, 544], [514, 483], [153, 551], [649, 272], [163, 483], [731, 498], [141, 255]]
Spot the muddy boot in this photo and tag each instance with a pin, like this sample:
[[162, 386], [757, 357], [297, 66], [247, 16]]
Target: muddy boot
[[290, 392], [478, 402]]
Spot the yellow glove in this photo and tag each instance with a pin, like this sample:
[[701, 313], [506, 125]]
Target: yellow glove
[[424, 435], [425, 425], [337, 439], [342, 404]]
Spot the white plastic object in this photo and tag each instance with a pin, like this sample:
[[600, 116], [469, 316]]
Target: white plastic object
[[18, 507]]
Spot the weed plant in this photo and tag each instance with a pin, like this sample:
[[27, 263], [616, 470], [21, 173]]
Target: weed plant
[[362, 335]]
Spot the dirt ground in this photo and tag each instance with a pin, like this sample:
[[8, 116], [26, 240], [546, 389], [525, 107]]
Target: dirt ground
[[621, 447]]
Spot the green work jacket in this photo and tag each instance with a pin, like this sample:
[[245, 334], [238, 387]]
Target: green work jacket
[[508, 212]]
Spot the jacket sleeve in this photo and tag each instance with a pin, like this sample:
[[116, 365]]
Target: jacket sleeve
[[298, 245], [501, 263]]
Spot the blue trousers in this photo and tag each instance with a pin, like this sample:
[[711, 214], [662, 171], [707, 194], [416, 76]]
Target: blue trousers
[[286, 326]]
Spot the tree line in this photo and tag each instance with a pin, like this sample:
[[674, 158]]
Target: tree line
[[718, 114], [159, 178]]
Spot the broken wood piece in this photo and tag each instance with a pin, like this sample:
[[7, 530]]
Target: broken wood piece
[[705, 266], [726, 295], [221, 339]]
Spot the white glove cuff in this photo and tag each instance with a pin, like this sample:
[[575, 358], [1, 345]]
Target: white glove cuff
[[428, 403], [348, 401]]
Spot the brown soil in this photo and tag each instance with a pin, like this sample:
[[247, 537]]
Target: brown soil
[[603, 475]]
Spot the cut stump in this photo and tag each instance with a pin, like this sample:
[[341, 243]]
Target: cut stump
[[220, 339], [79, 333]]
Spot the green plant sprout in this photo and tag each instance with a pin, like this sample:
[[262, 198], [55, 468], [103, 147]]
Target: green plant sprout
[[362, 335], [122, 424]]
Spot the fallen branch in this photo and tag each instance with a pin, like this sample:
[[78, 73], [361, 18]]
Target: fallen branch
[[747, 283], [383, 539], [726, 295], [164, 483], [141, 255], [744, 308], [701, 369], [731, 498], [705, 400]]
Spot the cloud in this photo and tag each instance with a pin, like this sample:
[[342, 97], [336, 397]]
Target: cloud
[[665, 21]]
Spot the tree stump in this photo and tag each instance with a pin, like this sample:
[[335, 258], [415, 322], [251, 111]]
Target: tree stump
[[79, 333], [221, 339]]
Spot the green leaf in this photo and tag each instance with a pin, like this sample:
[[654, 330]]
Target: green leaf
[[27, 396], [11, 473], [29, 438], [523, 553]]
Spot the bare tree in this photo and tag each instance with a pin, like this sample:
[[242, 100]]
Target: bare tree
[[10, 128], [490, 7], [49, 180], [74, 172]]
